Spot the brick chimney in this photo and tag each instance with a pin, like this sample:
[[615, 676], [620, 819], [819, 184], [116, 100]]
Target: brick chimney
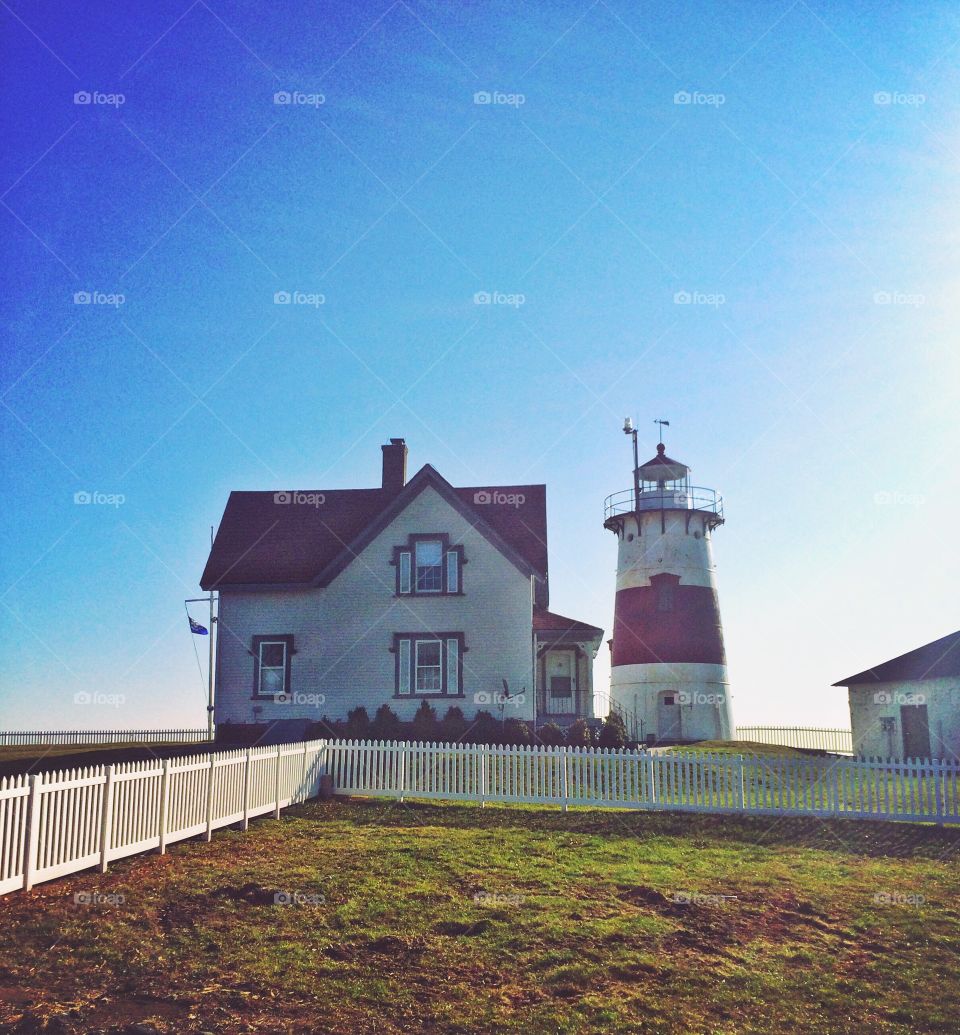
[[394, 465]]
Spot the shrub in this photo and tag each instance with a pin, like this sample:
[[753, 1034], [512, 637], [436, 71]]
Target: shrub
[[483, 730], [358, 723], [515, 731], [579, 735], [551, 735], [453, 725], [613, 732], [425, 725], [386, 724]]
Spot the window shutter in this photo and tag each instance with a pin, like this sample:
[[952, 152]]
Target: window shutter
[[403, 665], [453, 571], [453, 666], [405, 574]]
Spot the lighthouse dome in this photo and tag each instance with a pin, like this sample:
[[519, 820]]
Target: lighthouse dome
[[662, 469]]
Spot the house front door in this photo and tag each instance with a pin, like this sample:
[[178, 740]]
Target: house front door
[[561, 683], [916, 731]]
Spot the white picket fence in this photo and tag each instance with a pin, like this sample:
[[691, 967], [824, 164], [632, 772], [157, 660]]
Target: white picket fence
[[46, 738], [837, 741], [679, 780], [56, 823]]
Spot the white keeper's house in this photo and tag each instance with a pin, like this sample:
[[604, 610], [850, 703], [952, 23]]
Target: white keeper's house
[[909, 707], [414, 591]]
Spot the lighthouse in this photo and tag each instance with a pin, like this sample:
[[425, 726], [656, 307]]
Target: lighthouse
[[668, 675]]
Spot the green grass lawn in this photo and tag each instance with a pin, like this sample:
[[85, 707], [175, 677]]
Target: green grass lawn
[[449, 918]]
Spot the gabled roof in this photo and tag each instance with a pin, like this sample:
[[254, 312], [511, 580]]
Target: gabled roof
[[264, 541], [935, 660]]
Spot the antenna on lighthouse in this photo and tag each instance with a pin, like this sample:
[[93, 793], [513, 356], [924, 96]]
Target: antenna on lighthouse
[[662, 423]]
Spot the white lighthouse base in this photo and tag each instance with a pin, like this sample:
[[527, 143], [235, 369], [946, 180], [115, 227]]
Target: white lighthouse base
[[676, 702]]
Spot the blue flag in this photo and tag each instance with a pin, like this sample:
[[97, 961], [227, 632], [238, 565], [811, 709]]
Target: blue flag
[[197, 628]]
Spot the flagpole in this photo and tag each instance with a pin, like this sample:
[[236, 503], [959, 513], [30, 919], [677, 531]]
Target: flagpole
[[210, 662]]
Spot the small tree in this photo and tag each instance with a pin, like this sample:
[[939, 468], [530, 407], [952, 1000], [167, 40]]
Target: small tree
[[386, 724], [425, 726], [358, 723], [551, 735], [578, 735], [453, 725], [613, 732]]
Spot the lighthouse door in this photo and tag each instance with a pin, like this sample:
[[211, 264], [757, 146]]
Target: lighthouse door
[[668, 716]]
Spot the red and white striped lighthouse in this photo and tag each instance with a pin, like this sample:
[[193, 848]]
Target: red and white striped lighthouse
[[668, 667]]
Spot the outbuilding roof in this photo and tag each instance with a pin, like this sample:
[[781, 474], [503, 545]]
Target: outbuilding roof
[[935, 660]]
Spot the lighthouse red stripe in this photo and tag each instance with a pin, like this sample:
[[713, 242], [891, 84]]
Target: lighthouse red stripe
[[667, 622]]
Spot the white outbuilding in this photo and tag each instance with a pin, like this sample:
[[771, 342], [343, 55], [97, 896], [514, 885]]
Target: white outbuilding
[[909, 707]]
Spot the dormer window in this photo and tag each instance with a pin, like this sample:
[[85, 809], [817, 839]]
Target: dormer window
[[429, 566]]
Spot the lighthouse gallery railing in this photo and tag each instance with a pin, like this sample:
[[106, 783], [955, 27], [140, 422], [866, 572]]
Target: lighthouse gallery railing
[[694, 497]]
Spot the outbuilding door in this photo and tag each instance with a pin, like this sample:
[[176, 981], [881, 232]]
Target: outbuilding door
[[916, 731]]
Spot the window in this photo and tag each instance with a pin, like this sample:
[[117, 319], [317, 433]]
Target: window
[[429, 673], [429, 565], [271, 665], [429, 664]]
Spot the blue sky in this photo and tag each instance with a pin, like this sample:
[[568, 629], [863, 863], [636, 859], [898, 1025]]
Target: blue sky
[[805, 198]]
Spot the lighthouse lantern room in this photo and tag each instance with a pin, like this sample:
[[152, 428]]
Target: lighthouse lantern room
[[668, 675]]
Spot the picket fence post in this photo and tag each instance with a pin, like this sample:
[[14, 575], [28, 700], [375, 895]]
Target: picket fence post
[[164, 806], [563, 780], [31, 840], [106, 817], [276, 783], [403, 769], [483, 776], [246, 791], [209, 834], [651, 780]]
